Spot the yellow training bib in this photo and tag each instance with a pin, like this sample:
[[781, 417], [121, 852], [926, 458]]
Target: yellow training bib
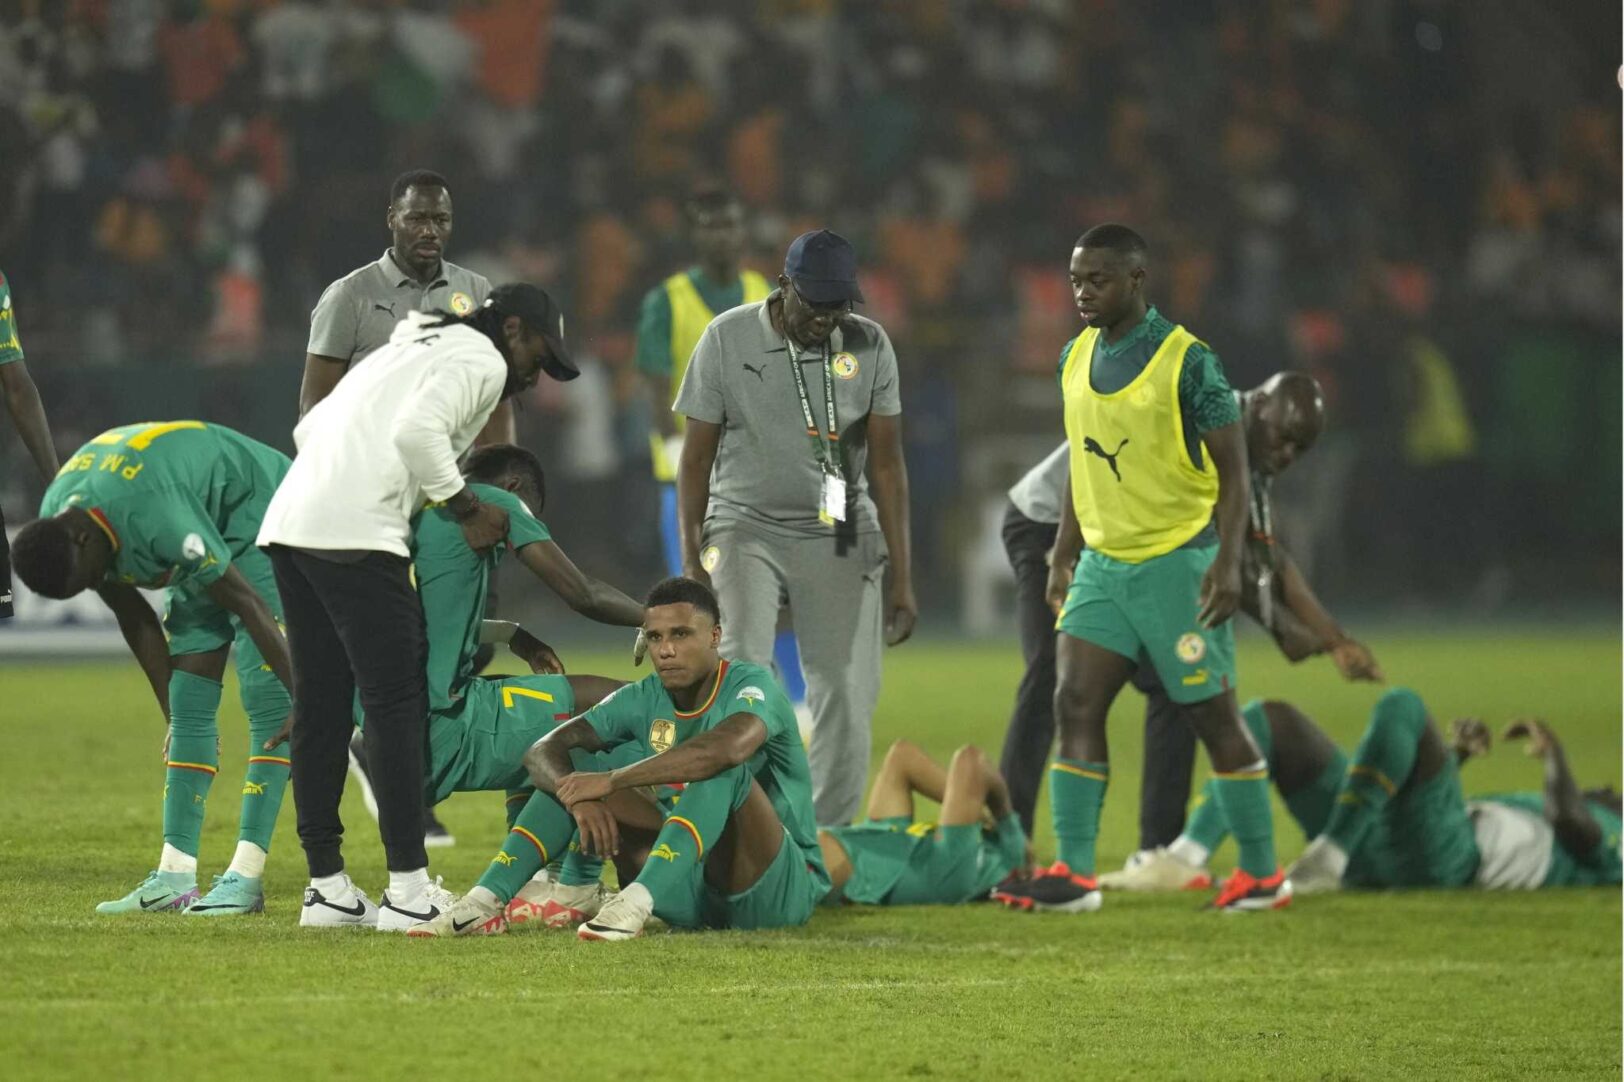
[[690, 315], [1135, 489]]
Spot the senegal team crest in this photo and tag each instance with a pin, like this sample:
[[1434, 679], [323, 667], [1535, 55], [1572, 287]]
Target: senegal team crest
[[844, 365], [1191, 648], [462, 303], [710, 558], [661, 735], [753, 694]]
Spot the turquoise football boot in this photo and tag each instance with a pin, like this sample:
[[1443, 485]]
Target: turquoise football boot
[[159, 892], [232, 893]]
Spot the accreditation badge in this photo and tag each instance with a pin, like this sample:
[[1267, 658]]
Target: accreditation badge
[[832, 508]]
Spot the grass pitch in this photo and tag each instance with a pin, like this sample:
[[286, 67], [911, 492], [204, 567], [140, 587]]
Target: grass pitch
[[1414, 984]]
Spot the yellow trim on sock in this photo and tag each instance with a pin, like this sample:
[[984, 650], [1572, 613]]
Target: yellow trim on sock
[[692, 830], [535, 841], [277, 759], [1080, 772], [204, 767], [1244, 775], [1375, 775]]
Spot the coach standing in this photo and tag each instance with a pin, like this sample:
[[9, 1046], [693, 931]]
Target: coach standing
[[369, 454], [358, 312], [785, 399]]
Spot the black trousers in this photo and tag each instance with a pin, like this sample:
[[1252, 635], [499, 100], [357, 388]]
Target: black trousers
[[1169, 760], [352, 627]]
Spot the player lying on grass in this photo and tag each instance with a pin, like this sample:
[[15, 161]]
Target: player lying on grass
[[892, 859], [739, 851], [177, 505], [479, 729], [1394, 816]]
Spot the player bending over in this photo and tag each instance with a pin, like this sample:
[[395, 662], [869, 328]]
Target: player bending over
[[1394, 816], [479, 728], [177, 505], [892, 859], [739, 851]]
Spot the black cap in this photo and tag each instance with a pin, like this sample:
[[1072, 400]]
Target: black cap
[[823, 267], [540, 313]]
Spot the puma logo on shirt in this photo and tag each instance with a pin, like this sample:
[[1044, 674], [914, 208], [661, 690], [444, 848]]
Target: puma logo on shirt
[[1092, 446], [760, 372]]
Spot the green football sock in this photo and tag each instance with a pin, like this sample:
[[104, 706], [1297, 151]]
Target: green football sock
[[193, 761], [516, 800], [1381, 765], [1076, 794], [689, 833], [1243, 797], [1207, 825], [267, 704], [1311, 805], [542, 829], [577, 869]]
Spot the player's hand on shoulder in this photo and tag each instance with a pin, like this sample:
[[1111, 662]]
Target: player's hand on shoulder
[[1535, 731], [1354, 661], [484, 527], [1470, 737]]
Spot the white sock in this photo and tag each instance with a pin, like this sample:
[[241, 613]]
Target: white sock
[[333, 887], [249, 860], [410, 884], [1189, 851], [485, 896], [173, 860]]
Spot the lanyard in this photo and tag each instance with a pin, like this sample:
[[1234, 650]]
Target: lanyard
[[827, 454], [1262, 516]]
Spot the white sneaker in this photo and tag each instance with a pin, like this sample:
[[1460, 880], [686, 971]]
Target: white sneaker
[[621, 917], [402, 914], [1318, 870], [350, 909], [566, 907], [1154, 870], [469, 915]]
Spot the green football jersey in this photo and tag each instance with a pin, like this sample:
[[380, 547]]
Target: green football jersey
[[453, 581], [926, 862], [644, 713], [1601, 866], [179, 500], [11, 348]]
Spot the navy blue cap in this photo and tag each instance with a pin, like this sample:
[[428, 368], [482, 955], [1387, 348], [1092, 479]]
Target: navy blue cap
[[823, 266]]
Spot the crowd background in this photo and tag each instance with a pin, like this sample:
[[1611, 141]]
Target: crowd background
[[1418, 201]]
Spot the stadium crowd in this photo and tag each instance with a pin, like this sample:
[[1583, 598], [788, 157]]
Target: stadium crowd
[[194, 173]]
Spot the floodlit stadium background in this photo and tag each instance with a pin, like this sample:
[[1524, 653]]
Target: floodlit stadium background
[[1418, 202]]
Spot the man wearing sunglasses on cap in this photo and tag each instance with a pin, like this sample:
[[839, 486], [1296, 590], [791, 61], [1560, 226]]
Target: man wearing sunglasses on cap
[[780, 503]]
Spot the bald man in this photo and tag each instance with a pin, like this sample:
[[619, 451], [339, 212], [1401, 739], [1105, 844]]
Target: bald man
[[1282, 419]]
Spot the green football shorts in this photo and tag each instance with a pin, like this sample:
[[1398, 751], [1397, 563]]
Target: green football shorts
[[194, 623], [1148, 610]]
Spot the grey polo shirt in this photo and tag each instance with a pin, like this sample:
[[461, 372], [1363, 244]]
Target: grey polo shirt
[[766, 472], [357, 313]]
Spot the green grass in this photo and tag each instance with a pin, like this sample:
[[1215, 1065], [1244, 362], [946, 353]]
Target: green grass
[[1420, 984]]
